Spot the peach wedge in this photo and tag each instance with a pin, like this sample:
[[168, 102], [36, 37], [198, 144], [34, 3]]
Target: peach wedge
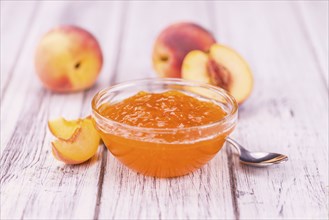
[[222, 67], [77, 140], [64, 129]]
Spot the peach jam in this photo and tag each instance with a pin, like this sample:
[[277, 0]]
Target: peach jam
[[163, 134], [170, 109]]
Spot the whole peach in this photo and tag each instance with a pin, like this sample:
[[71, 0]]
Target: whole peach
[[174, 43], [68, 58]]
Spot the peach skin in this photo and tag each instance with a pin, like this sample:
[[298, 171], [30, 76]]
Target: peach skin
[[174, 43], [68, 59]]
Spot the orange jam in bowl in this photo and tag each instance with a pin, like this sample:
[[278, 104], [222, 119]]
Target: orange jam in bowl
[[164, 127]]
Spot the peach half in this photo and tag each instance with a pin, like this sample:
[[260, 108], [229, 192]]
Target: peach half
[[68, 59], [77, 140], [222, 67], [174, 42]]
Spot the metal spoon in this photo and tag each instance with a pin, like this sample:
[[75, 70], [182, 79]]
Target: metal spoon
[[259, 159]]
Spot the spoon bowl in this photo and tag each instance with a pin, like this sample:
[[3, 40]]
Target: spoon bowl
[[258, 159]]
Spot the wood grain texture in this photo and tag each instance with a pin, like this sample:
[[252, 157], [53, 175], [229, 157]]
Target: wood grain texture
[[13, 36], [285, 44], [313, 23], [285, 113], [33, 184]]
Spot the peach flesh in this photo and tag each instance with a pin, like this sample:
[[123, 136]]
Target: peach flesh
[[80, 146], [222, 67]]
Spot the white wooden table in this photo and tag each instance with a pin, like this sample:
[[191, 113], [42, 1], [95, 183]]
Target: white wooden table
[[286, 44]]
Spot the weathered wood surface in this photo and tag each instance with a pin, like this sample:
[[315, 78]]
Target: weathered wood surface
[[286, 44]]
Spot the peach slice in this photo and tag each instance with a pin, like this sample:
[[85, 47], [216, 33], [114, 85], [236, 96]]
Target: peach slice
[[64, 129], [222, 67], [80, 146]]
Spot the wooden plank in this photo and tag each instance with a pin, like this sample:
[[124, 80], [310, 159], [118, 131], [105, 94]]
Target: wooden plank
[[314, 18], [203, 194], [13, 35], [287, 112], [33, 184]]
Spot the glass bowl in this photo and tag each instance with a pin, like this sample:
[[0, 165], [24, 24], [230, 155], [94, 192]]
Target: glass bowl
[[164, 152]]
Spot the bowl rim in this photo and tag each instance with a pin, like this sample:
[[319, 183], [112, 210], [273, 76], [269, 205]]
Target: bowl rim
[[228, 118]]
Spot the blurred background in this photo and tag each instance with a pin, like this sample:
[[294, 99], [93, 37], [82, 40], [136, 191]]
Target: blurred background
[[126, 30], [284, 42]]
